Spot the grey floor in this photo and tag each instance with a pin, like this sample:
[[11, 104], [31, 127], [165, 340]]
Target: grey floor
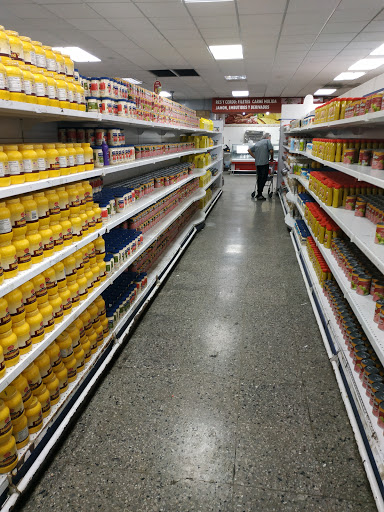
[[223, 400]]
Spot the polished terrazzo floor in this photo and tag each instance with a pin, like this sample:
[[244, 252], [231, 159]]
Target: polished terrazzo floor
[[223, 400]]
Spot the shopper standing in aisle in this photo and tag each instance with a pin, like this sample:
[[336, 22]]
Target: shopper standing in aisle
[[262, 152]]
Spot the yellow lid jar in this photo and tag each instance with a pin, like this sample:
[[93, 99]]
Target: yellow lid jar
[[61, 279], [57, 305], [28, 84], [42, 208], [8, 454], [44, 398], [71, 365], [63, 159], [89, 276], [5, 316], [93, 341], [73, 288], [5, 47], [40, 289], [74, 333], [62, 374], [5, 420], [62, 91], [34, 416], [88, 190], [43, 363], [41, 162], [4, 93], [29, 296], [78, 255], [15, 305], [46, 311], [52, 89], [65, 296], [79, 157], [47, 241], [17, 52], [14, 79], [64, 342], [36, 325], [57, 233], [50, 59], [91, 219], [54, 205], [80, 358], [15, 164], [41, 86], [69, 66], [53, 386], [79, 324], [30, 163], [41, 61], [80, 97], [53, 351], [24, 258], [100, 303], [71, 158], [100, 334], [85, 317], [20, 431], [77, 225], [29, 51], [72, 94], [31, 212], [8, 260], [93, 311], [5, 179], [5, 224], [99, 244], [8, 341], [52, 160], [32, 374], [23, 333], [12, 399], [60, 63], [50, 280], [96, 275], [21, 384], [88, 157]]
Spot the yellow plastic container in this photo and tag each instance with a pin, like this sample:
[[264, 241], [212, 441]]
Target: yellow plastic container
[[29, 85], [40, 289], [15, 305], [62, 374], [21, 432], [50, 280], [47, 241], [5, 420], [71, 158], [29, 297], [5, 316], [42, 209], [72, 94], [69, 66], [8, 341], [43, 362], [5, 179], [60, 63], [73, 288], [71, 365], [32, 374], [41, 61], [41, 86], [57, 305], [54, 354], [52, 160], [28, 50], [63, 159], [74, 333], [45, 400], [13, 400], [62, 91], [4, 93], [15, 80], [50, 59], [88, 157], [15, 164], [2, 364], [5, 47], [41, 162], [34, 416], [46, 311], [52, 89], [17, 52], [35, 246], [8, 260], [8, 454], [36, 324], [24, 259], [21, 384], [31, 212], [65, 296], [53, 386], [23, 333], [80, 358], [79, 157]]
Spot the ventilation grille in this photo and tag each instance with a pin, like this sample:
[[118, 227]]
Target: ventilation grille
[[174, 72]]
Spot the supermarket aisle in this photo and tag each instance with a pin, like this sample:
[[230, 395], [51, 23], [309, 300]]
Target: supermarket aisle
[[223, 400]]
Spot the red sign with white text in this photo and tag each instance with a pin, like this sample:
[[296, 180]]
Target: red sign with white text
[[240, 105]]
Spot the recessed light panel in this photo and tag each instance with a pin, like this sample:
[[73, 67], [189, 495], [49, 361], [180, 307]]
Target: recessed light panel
[[76, 54], [235, 77], [324, 92], [366, 64], [205, 1], [239, 94], [133, 81], [165, 94], [378, 51], [227, 51], [349, 75]]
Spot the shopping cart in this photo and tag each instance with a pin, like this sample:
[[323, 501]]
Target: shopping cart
[[270, 181]]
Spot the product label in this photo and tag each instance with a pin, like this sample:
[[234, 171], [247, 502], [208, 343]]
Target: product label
[[51, 64], [3, 169], [5, 226], [9, 457], [78, 97], [41, 163], [31, 216], [38, 332], [28, 88], [27, 165], [25, 342], [41, 61], [7, 426], [52, 92], [10, 352], [63, 161], [71, 161], [14, 167], [32, 58], [62, 93], [48, 324], [79, 159], [40, 90], [15, 84], [67, 235], [3, 81], [24, 258], [6, 319], [49, 245], [22, 435], [66, 352]]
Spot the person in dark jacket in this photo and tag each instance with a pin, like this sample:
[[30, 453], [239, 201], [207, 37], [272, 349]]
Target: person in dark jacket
[[262, 152]]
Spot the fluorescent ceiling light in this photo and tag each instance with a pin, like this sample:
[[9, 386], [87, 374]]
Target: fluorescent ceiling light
[[240, 93], [378, 51], [349, 75], [206, 1], [235, 77], [227, 51], [366, 64], [165, 94], [76, 53], [133, 81], [324, 92]]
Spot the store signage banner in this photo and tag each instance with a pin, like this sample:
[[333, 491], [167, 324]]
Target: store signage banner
[[248, 105], [259, 119]]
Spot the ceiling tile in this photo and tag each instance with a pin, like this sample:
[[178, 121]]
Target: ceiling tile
[[109, 9], [188, 33], [127, 25], [346, 15], [356, 4], [375, 26], [255, 21], [184, 21], [29, 11], [343, 27], [163, 9], [211, 9], [261, 7], [109, 35], [335, 38], [216, 21], [91, 25], [78, 10], [296, 6]]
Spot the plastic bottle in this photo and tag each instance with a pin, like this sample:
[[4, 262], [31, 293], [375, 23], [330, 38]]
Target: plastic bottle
[[8, 341], [50, 59], [45, 400], [63, 159], [43, 363], [46, 311], [52, 160], [32, 374], [88, 156], [36, 325], [34, 416], [5, 179], [41, 86], [41, 162], [53, 386], [62, 91], [30, 163], [52, 89], [29, 84], [79, 157], [14, 79], [5, 47], [29, 296], [62, 374], [21, 384], [53, 351], [29, 51], [15, 164], [60, 63], [15, 305], [8, 454], [72, 94], [41, 61], [17, 52], [20, 431]]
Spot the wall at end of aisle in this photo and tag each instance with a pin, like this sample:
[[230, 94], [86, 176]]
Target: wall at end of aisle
[[235, 134], [373, 85]]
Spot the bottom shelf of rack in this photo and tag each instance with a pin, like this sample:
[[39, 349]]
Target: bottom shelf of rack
[[33, 455], [370, 437]]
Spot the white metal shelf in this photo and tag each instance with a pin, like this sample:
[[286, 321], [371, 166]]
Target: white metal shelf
[[373, 431], [361, 173], [212, 180], [360, 230], [45, 113], [370, 118], [213, 200]]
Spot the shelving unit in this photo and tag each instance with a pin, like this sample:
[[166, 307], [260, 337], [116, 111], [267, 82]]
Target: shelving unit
[[372, 118], [32, 456]]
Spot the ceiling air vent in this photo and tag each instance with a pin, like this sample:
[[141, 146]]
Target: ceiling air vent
[[162, 72], [186, 72]]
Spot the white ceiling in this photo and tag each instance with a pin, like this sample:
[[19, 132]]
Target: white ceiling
[[291, 47]]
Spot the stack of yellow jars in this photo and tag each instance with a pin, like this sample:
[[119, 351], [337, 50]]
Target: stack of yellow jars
[[34, 226], [33, 73], [22, 163]]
